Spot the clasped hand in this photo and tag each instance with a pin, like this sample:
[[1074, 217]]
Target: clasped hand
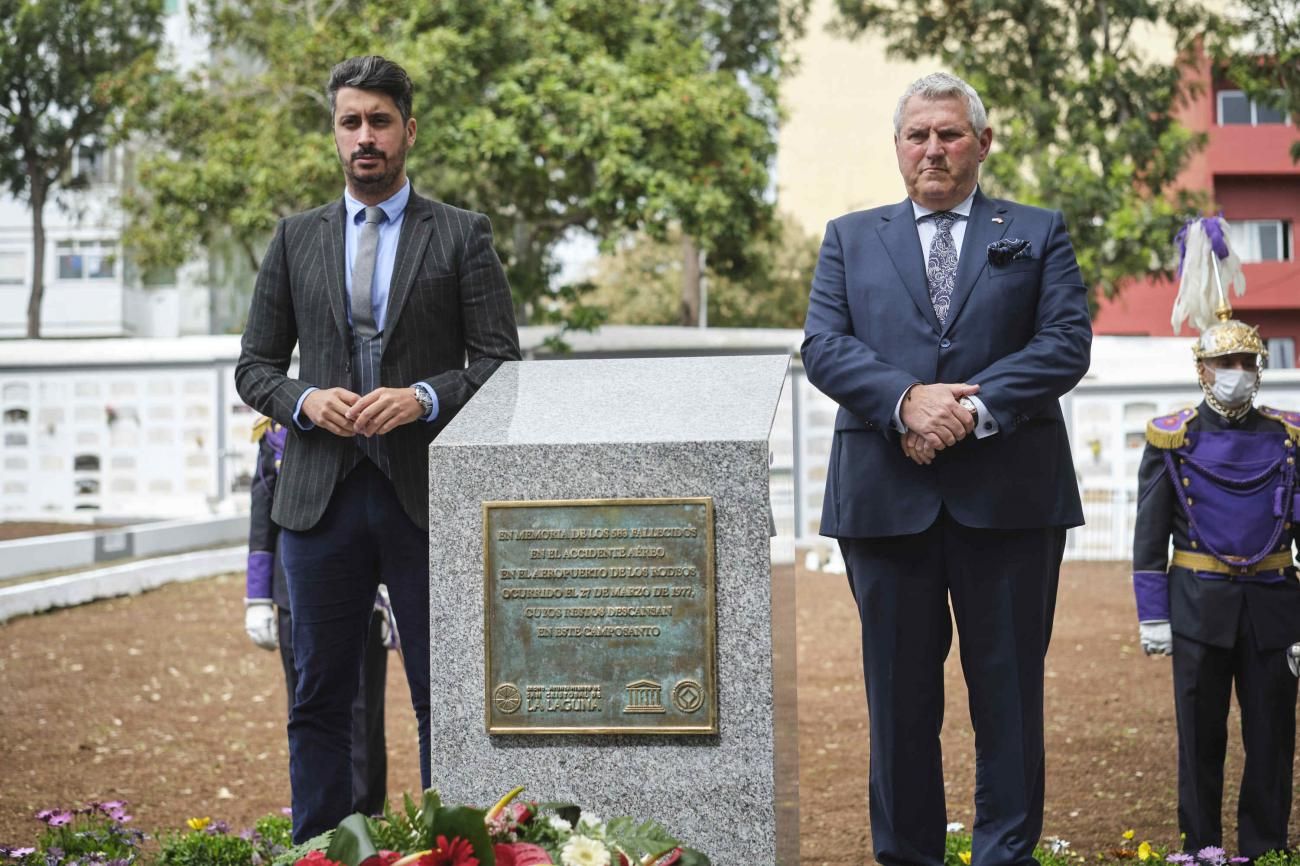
[[344, 413], [934, 419]]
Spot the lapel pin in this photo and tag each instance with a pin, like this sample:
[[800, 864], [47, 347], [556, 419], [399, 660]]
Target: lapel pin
[[998, 220]]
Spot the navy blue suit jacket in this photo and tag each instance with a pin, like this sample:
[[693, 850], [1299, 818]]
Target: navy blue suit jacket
[[1021, 331]]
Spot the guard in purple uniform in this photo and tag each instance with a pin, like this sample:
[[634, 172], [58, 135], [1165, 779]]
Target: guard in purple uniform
[[1220, 480], [269, 624]]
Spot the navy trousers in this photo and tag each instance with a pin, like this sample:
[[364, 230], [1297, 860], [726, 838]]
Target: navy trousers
[[1266, 691], [1002, 585], [334, 569], [369, 747]]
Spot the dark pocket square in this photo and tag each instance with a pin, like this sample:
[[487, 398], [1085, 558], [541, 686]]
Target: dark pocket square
[[1009, 250]]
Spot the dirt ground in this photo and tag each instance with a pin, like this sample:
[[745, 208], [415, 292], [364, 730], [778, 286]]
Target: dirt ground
[[12, 529], [162, 701]]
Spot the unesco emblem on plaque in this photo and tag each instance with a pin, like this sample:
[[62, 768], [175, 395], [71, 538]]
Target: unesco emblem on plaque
[[643, 696], [599, 617]]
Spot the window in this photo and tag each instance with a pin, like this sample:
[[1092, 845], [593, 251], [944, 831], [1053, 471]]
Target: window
[[87, 260], [1238, 109], [92, 164], [1281, 352], [13, 268], [1261, 240]]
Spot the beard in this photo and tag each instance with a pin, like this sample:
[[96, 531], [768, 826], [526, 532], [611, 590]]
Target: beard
[[375, 181]]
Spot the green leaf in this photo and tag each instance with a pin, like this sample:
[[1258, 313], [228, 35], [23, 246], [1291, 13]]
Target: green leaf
[[466, 823], [647, 837], [351, 843]]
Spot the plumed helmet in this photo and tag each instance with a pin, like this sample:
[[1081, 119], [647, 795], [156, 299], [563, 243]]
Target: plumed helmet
[[1209, 268], [1229, 337]]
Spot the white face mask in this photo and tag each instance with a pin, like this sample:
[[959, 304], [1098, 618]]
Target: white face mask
[[1232, 388]]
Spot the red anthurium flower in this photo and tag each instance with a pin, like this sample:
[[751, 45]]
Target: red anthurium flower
[[316, 858], [457, 852], [521, 854], [524, 812], [381, 858]]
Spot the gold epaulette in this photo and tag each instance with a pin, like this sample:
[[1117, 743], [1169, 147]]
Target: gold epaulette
[[1170, 431], [1289, 420], [260, 427]]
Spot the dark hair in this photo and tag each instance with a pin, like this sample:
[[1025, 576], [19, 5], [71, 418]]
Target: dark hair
[[372, 73]]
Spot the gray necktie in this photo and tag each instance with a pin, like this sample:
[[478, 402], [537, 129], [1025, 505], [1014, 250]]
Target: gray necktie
[[941, 267], [363, 274]]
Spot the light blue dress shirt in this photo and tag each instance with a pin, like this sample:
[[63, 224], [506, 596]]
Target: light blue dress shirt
[[390, 231]]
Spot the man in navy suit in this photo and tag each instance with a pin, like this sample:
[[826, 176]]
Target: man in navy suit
[[946, 327]]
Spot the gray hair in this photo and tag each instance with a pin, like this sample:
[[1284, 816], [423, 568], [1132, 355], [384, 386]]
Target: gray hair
[[943, 85]]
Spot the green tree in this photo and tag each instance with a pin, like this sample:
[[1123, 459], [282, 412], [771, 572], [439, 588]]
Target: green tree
[[603, 116], [65, 67], [639, 283], [1082, 107], [755, 41], [1258, 49]]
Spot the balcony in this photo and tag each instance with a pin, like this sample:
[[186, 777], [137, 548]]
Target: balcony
[[1252, 150]]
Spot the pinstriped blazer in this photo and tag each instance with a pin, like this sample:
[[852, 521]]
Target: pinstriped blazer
[[450, 323]]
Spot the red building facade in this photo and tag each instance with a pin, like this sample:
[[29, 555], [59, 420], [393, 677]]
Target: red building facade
[[1246, 167]]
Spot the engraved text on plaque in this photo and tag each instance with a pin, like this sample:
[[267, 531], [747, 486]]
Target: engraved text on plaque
[[599, 616]]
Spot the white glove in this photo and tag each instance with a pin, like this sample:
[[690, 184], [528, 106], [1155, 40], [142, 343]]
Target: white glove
[[388, 625], [260, 622], [1157, 637], [1293, 658]]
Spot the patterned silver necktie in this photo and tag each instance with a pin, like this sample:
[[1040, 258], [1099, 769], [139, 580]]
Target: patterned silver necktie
[[941, 267], [363, 274]]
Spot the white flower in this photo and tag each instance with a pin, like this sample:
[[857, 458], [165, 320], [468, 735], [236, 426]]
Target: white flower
[[581, 851], [956, 826], [1057, 846], [560, 824], [588, 819]]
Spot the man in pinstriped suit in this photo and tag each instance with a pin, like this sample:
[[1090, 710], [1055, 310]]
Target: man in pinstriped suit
[[381, 371]]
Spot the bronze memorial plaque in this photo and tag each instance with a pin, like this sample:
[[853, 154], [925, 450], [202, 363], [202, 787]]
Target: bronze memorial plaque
[[599, 618]]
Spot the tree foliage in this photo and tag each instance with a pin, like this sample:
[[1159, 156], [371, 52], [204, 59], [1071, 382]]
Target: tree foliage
[[639, 282], [1082, 106], [603, 116], [65, 72], [1258, 48]]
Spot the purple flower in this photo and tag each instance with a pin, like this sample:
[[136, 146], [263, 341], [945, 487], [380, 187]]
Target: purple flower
[[1211, 854], [1179, 857], [55, 818], [286, 811], [15, 853], [114, 809]]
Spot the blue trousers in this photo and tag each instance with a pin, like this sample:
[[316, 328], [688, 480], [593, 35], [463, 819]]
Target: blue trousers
[[334, 570], [1002, 585], [369, 746]]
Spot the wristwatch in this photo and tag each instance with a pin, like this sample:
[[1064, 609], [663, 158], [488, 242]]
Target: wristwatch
[[422, 397], [969, 405]]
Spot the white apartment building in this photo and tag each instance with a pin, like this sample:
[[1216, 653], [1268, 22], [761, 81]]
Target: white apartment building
[[91, 290]]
